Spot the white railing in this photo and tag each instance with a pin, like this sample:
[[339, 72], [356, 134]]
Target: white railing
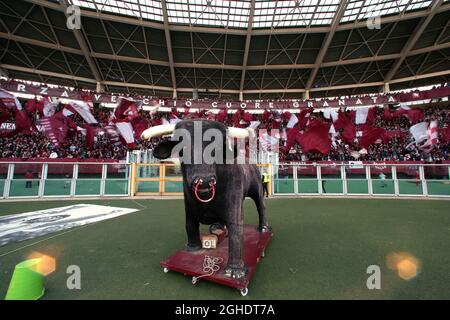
[[63, 179], [421, 180], [98, 179]]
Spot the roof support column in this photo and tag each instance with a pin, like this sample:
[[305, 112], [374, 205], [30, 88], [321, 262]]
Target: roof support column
[[306, 95], [247, 48], [326, 42], [83, 45], [169, 46], [418, 31], [99, 87]]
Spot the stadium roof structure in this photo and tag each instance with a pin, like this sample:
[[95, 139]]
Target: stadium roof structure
[[250, 49]]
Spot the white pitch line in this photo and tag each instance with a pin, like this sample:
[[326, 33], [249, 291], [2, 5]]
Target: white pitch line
[[34, 243], [141, 205]]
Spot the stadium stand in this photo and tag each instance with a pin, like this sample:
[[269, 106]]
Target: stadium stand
[[392, 144]]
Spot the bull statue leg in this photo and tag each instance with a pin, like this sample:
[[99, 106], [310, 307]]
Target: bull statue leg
[[257, 195], [261, 207], [193, 231], [235, 267]]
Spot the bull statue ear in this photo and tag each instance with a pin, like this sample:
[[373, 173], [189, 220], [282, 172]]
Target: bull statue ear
[[164, 149]]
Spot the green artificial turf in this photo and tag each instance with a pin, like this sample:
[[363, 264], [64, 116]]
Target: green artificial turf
[[320, 250]]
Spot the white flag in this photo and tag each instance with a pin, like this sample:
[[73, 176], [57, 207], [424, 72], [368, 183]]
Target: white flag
[[126, 131], [330, 113], [292, 121], [254, 124], [82, 108], [431, 139], [50, 108], [361, 115], [419, 132], [268, 142], [174, 120]]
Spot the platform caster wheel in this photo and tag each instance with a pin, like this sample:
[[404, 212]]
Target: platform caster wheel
[[244, 292], [194, 280], [166, 270]]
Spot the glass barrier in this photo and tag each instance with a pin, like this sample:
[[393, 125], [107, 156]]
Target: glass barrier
[[437, 180], [308, 186], [283, 179], [2, 187], [283, 186], [26, 180], [116, 186], [172, 171], [57, 187], [24, 188], [356, 179], [382, 180], [3, 176], [90, 171], [147, 171], [173, 186], [117, 179], [147, 186], [88, 182], [117, 171], [307, 182], [331, 179], [57, 179], [409, 180], [87, 187]]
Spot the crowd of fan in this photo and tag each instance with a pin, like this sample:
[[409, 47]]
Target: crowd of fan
[[38, 146], [396, 149]]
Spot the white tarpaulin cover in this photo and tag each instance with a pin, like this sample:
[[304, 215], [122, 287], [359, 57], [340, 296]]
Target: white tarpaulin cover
[[29, 225]]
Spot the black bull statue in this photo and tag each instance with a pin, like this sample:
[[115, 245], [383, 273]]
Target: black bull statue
[[214, 193]]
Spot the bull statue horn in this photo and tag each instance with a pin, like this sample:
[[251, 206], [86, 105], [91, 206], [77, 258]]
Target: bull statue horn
[[240, 133], [158, 131]]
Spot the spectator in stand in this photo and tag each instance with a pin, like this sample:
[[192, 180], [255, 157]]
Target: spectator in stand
[[29, 179]]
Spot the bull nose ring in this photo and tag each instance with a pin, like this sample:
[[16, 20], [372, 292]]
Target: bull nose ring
[[198, 180], [213, 190]]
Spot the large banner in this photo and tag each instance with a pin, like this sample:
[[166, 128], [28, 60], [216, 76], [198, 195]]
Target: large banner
[[14, 86], [29, 225]]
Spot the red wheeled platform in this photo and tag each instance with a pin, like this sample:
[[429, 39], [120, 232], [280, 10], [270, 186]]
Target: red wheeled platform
[[191, 263]]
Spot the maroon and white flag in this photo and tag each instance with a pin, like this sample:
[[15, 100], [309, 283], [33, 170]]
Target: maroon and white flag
[[83, 109], [126, 110], [126, 131], [432, 138], [55, 127], [112, 134]]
